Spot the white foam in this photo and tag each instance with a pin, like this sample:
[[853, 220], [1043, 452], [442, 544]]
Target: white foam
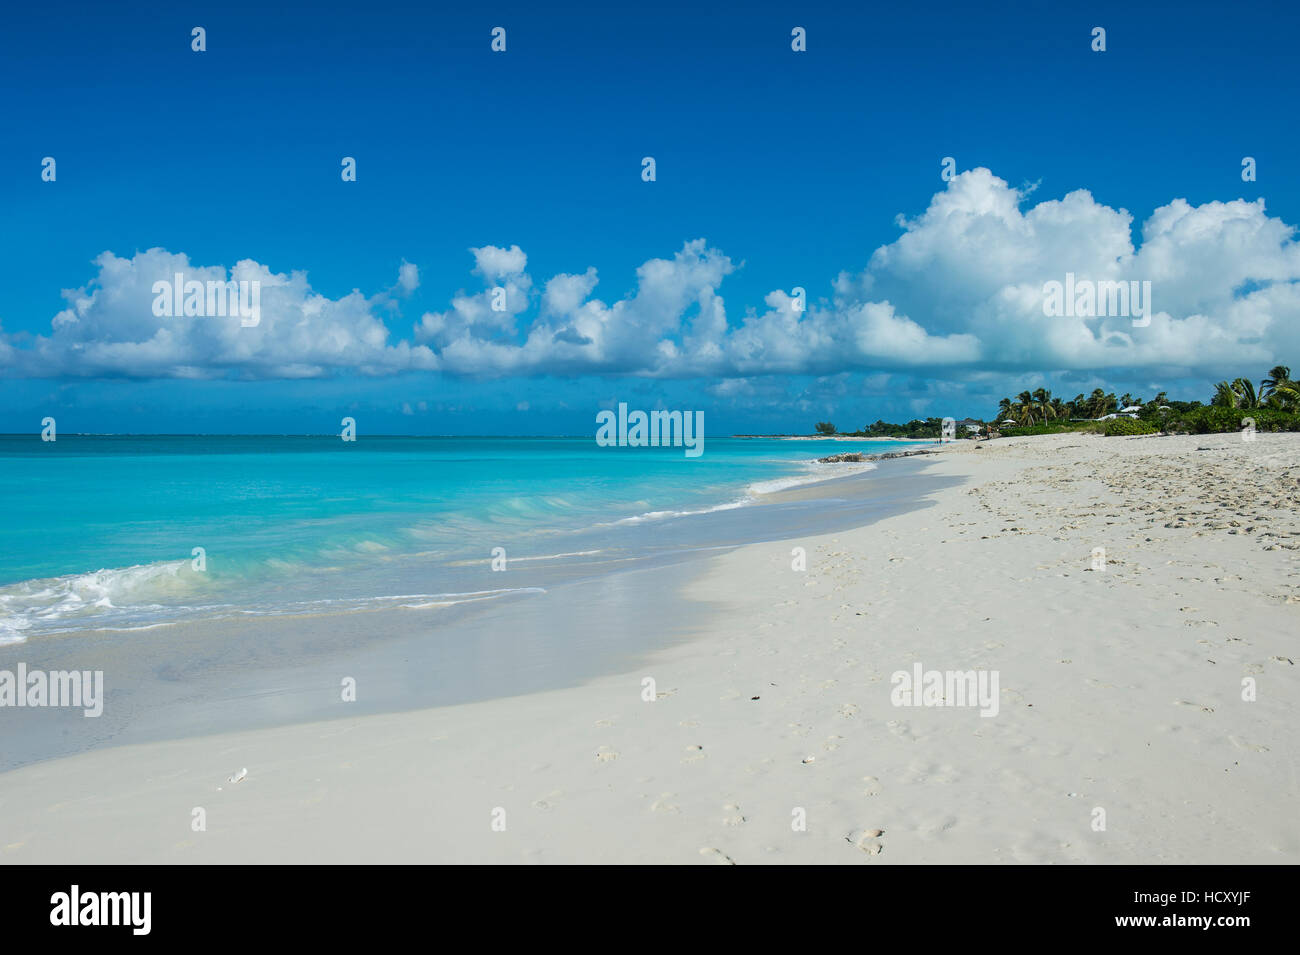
[[51, 600], [817, 471]]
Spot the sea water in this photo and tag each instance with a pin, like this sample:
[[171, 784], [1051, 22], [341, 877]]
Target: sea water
[[129, 532]]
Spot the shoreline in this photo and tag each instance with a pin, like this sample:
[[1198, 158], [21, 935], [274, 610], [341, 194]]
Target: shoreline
[[203, 677], [385, 560], [1120, 691]]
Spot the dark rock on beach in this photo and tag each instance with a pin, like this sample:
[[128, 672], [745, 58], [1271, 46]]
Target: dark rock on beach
[[856, 456]]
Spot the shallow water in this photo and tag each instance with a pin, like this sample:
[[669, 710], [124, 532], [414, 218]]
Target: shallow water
[[102, 531], [561, 622]]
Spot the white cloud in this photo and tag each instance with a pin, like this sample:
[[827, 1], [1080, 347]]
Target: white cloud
[[408, 277], [109, 329], [961, 288]]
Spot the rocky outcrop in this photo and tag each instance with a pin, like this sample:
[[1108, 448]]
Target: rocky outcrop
[[857, 456]]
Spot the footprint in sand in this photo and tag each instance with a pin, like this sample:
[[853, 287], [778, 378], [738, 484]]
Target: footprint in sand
[[1240, 743], [901, 730], [546, 802], [717, 855], [849, 710], [1203, 709], [604, 754], [693, 754], [663, 805], [733, 815], [604, 722], [923, 772], [872, 787]]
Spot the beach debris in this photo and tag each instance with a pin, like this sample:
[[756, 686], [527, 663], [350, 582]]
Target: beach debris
[[810, 759], [717, 855], [239, 777], [867, 840]]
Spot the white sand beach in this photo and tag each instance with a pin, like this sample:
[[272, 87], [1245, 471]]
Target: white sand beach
[[1120, 689]]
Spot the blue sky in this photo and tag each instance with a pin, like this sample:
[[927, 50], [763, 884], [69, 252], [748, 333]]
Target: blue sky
[[793, 168]]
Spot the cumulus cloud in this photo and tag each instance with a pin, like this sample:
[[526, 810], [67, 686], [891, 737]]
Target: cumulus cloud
[[490, 315], [408, 277], [1222, 278], [961, 288], [109, 329]]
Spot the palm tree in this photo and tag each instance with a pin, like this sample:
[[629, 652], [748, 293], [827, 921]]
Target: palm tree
[[1100, 403], [1026, 406], [1278, 390], [1004, 410], [1043, 402], [1240, 393], [1287, 395], [1279, 374]]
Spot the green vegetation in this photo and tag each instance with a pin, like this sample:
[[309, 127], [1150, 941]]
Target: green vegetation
[[915, 429], [1273, 406], [1054, 427], [1214, 419], [1125, 426], [1039, 407]]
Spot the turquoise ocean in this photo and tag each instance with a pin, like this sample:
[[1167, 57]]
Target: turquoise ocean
[[100, 532]]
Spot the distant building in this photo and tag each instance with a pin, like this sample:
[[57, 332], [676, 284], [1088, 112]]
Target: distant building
[[971, 425]]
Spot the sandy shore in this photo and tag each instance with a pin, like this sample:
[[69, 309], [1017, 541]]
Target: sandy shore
[[1121, 690]]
